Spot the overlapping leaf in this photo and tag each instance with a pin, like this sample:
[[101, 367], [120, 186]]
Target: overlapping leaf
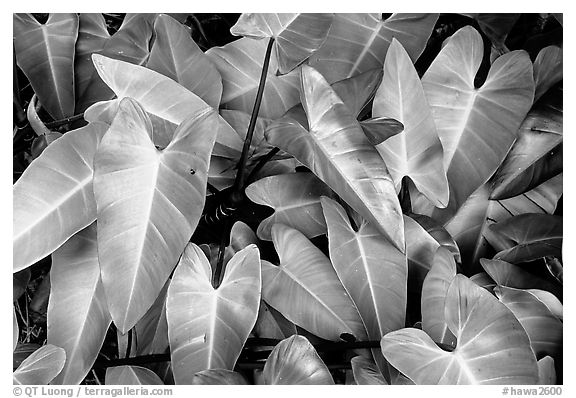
[[547, 69], [492, 347], [476, 126], [151, 331], [434, 292], [306, 290], [531, 236], [177, 56], [296, 36], [149, 202], [543, 328], [416, 152], [240, 65], [208, 327], [218, 377], [131, 375], [439, 233], [271, 324], [294, 361], [78, 317], [45, 53], [295, 198], [366, 372], [338, 152], [546, 371], [373, 272], [41, 366], [358, 42], [53, 199]]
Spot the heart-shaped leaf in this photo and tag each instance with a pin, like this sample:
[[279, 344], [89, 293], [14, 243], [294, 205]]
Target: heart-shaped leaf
[[41, 366], [240, 65], [306, 290], [510, 275], [45, 53], [296, 201], [476, 126], [366, 372], [470, 224], [218, 377], [53, 198], [492, 347], [546, 371], [78, 317], [131, 376], [144, 226], [536, 156], [338, 152], [533, 236], [296, 36], [177, 56], [373, 272], [358, 42], [294, 361], [130, 43], [543, 328], [208, 327], [434, 292], [547, 69], [416, 152]]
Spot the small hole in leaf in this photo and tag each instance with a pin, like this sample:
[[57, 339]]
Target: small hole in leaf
[[192, 171]]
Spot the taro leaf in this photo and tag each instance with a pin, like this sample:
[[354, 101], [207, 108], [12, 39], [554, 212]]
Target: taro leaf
[[534, 236], [546, 371], [20, 282], [297, 36], [536, 156], [555, 268], [358, 42], [218, 377], [240, 65], [371, 269], [510, 275], [208, 327], [416, 152], [271, 324], [482, 279], [306, 290], [177, 56], [149, 204], [547, 69], [78, 317], [496, 27], [41, 366], [151, 331], [434, 291], [53, 198], [543, 328], [470, 224], [439, 233], [492, 347], [130, 43], [338, 152], [550, 301], [476, 126], [366, 372], [45, 53], [296, 201], [131, 376], [294, 361], [15, 329], [420, 250], [379, 129], [230, 146]]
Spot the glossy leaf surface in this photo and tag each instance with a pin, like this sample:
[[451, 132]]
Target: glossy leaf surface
[[294, 361], [296, 36], [53, 199], [78, 316], [548, 67], [416, 152], [492, 347], [338, 152], [476, 126], [149, 204], [306, 289], [366, 372], [208, 327], [218, 377], [131, 375], [41, 366], [546, 371], [45, 53]]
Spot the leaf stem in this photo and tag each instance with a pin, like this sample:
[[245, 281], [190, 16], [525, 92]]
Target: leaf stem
[[61, 122], [263, 160], [219, 271], [240, 175]]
